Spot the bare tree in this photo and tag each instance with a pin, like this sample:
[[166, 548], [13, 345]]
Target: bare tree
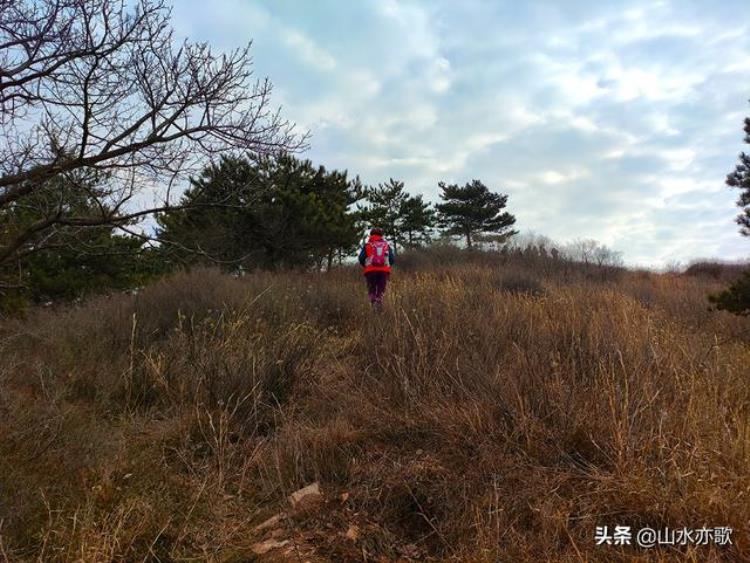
[[101, 87], [582, 250], [590, 251]]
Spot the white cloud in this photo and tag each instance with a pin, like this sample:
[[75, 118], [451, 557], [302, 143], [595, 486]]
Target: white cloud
[[678, 159], [674, 186], [553, 177], [308, 50], [655, 84], [416, 32], [439, 74], [613, 115]]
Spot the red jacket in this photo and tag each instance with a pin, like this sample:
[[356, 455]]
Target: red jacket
[[367, 252]]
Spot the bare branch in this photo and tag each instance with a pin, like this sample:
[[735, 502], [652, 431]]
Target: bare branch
[[100, 85]]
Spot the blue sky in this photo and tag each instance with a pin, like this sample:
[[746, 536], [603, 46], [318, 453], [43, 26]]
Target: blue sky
[[616, 121]]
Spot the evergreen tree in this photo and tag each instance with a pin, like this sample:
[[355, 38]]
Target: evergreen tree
[[416, 220], [384, 207], [736, 298], [212, 226], [63, 260], [274, 212], [473, 210], [740, 179]]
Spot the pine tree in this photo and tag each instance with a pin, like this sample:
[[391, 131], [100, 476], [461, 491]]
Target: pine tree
[[383, 208], [473, 210], [740, 179], [274, 212], [416, 220], [65, 261], [736, 298]]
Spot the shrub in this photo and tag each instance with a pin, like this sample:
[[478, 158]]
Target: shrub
[[522, 285], [460, 423], [736, 298], [711, 269]]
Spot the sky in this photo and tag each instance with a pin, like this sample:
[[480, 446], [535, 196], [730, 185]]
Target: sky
[[611, 120]]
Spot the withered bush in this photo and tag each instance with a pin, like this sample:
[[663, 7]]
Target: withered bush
[[500, 408], [712, 269]]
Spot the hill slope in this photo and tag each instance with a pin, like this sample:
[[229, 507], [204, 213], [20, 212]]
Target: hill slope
[[499, 409]]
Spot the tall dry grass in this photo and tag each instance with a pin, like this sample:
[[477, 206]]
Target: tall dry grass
[[500, 409]]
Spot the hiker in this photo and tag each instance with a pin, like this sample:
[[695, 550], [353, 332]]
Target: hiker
[[376, 257]]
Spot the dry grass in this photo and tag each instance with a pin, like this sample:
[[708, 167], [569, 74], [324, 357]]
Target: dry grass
[[498, 410]]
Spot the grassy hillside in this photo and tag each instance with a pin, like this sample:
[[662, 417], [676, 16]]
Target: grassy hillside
[[499, 410]]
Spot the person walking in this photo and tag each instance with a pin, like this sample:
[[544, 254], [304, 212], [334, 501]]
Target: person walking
[[376, 257]]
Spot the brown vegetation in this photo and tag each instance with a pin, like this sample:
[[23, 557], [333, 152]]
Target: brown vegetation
[[713, 269], [498, 410]]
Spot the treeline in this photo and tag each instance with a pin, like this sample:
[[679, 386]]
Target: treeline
[[286, 212], [239, 214], [85, 156]]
